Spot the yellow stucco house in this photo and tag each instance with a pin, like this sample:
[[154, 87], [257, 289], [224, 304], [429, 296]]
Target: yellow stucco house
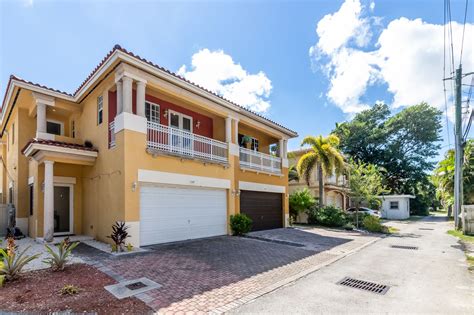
[[137, 143]]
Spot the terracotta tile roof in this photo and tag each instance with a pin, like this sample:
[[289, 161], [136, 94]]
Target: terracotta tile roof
[[59, 144], [119, 48]]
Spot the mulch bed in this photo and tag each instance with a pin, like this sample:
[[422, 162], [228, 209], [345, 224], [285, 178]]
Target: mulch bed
[[38, 291]]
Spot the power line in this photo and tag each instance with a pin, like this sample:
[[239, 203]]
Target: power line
[[463, 30]]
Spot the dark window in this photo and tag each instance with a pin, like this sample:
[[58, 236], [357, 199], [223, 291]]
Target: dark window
[[53, 128], [152, 112], [10, 195], [100, 110], [254, 144], [31, 199], [73, 129], [394, 205]]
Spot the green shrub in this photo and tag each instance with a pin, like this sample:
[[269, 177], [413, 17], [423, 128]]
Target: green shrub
[[348, 226], [69, 289], [372, 224], [58, 260], [300, 201], [331, 216], [13, 262], [352, 217], [240, 224], [312, 213]]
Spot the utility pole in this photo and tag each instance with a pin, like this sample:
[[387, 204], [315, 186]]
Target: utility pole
[[458, 148]]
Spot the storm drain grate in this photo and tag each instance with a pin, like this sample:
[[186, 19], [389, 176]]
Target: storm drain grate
[[426, 229], [364, 285], [404, 247], [136, 285]]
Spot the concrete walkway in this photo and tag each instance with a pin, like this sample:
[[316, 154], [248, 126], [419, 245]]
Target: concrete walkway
[[431, 280]]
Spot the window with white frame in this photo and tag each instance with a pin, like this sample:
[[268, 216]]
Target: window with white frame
[[54, 127], [393, 205], [152, 112], [100, 109]]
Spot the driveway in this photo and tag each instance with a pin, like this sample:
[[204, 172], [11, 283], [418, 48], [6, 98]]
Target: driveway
[[432, 279], [218, 274]]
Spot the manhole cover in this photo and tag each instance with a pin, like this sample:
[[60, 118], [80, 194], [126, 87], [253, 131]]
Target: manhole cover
[[426, 229], [135, 285], [364, 285], [404, 247]]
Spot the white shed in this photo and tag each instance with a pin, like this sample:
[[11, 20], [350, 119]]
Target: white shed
[[396, 207]]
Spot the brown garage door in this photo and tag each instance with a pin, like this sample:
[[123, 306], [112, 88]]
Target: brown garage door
[[265, 209]]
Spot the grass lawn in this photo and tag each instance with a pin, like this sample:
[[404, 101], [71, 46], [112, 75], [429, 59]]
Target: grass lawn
[[462, 237]]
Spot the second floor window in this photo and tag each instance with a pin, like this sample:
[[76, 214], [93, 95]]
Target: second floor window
[[100, 110], [53, 128], [152, 112]]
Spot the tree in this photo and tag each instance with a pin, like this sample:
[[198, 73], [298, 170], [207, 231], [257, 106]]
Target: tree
[[300, 201], [365, 184], [293, 174], [404, 144], [443, 176], [323, 155]]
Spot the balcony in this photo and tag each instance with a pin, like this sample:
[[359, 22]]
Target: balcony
[[260, 161], [182, 143]]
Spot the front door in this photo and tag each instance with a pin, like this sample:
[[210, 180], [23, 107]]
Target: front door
[[180, 132], [62, 210]]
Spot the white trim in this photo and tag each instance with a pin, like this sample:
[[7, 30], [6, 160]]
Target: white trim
[[134, 232], [31, 180], [54, 121], [64, 180], [51, 148], [43, 99], [158, 177], [44, 136], [130, 122], [397, 196], [71, 207], [123, 73], [159, 111], [261, 187], [234, 149]]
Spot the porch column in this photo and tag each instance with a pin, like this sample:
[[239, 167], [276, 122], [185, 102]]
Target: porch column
[[281, 146], [285, 148], [141, 98], [40, 118], [48, 212], [228, 130], [236, 135], [119, 97], [127, 94]]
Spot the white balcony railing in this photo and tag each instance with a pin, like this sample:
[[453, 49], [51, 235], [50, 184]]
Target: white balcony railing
[[184, 143], [260, 161], [112, 134]]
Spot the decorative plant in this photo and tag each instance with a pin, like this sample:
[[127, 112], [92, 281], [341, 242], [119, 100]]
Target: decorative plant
[[14, 262], [58, 260], [69, 289], [300, 201], [129, 247], [372, 224], [245, 140], [119, 235], [240, 224], [330, 216]]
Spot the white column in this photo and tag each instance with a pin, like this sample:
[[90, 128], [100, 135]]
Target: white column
[[48, 212], [236, 135], [141, 98], [281, 145], [127, 94], [119, 97], [40, 118], [285, 148], [228, 130]]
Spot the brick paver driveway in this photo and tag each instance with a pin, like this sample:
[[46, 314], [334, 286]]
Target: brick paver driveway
[[217, 274]]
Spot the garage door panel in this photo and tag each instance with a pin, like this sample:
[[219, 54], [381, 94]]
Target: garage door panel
[[169, 214], [265, 209]]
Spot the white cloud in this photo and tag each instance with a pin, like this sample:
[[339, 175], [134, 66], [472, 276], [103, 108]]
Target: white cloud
[[216, 71], [408, 58], [28, 3]]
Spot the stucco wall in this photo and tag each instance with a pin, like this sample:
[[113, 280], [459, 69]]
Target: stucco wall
[[403, 211]]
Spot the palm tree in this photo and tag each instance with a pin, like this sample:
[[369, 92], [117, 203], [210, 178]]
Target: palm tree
[[325, 156]]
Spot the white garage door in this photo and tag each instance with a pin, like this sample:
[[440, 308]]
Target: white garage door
[[169, 214]]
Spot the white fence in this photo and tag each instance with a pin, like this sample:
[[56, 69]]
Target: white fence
[[260, 161], [184, 143]]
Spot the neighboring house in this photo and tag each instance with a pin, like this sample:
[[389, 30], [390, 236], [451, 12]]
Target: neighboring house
[[137, 143], [396, 207], [335, 188]]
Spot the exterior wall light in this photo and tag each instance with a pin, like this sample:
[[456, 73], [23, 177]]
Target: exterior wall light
[[134, 186], [198, 124]]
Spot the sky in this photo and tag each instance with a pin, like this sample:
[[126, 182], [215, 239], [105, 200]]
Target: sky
[[304, 64]]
